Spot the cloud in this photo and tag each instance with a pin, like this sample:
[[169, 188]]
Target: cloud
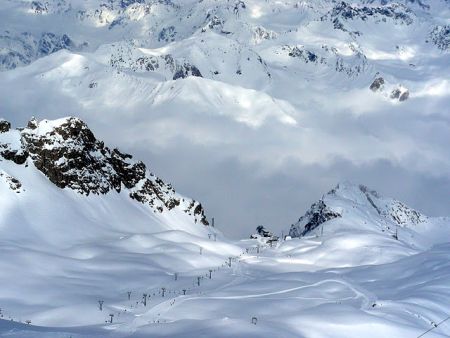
[[241, 154]]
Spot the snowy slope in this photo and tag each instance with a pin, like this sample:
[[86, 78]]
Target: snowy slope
[[256, 84], [358, 221], [261, 68], [80, 222], [344, 282], [270, 84], [66, 153]]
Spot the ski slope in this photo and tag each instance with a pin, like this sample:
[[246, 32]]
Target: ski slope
[[347, 277]]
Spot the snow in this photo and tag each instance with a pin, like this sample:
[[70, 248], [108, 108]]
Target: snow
[[62, 252]]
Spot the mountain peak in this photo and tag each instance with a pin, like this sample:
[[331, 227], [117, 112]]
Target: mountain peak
[[348, 198], [353, 191]]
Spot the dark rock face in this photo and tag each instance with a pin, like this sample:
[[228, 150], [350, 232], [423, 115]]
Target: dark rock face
[[186, 70], [38, 7], [318, 213], [71, 157], [440, 35], [262, 231], [126, 3], [305, 55], [167, 34], [5, 126], [32, 124], [165, 64], [213, 22], [264, 235], [395, 94], [148, 63], [377, 84], [404, 96], [21, 49], [395, 211], [14, 183], [51, 43], [345, 11], [17, 156]]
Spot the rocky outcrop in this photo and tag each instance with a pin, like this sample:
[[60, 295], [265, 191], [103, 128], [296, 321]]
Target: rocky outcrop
[[18, 156], [344, 11], [393, 210], [166, 65], [318, 213], [13, 183], [5, 126], [185, 70], [440, 35], [67, 152], [167, 34], [264, 236], [396, 93], [344, 198], [377, 84], [306, 55], [19, 49], [400, 94]]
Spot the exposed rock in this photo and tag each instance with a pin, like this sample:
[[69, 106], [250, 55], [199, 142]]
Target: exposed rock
[[186, 70], [264, 235], [126, 3], [404, 96], [260, 34], [17, 156], [5, 126], [39, 7], [306, 55], [213, 22], [19, 49], [167, 34], [318, 213], [393, 210], [262, 231], [395, 94], [400, 94], [148, 63], [345, 11], [165, 64], [51, 43], [14, 183], [33, 123], [330, 207], [377, 84], [440, 35], [67, 152]]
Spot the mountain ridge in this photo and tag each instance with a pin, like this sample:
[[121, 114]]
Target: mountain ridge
[[357, 215], [67, 154]]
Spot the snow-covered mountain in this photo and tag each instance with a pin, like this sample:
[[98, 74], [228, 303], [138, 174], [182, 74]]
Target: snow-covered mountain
[[347, 199], [259, 46], [148, 69], [227, 93], [66, 154], [81, 222], [358, 221], [94, 244], [85, 262]]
